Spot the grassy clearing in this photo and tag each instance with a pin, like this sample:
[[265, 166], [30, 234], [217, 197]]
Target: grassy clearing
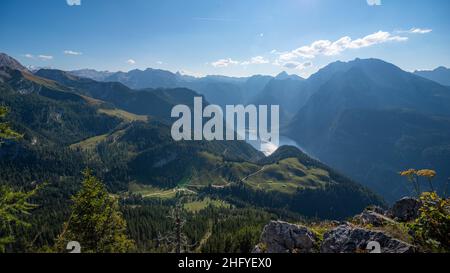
[[124, 115], [210, 172], [148, 191], [92, 101], [286, 176], [42, 81], [198, 205], [90, 143]]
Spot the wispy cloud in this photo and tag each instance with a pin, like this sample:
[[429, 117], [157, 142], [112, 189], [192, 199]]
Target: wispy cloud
[[224, 62], [73, 2], [229, 62], [71, 52], [41, 57], [297, 65], [256, 60], [131, 61], [276, 52], [330, 48], [45, 57], [416, 31], [374, 2]]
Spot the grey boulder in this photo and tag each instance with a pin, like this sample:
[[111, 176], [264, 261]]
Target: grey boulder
[[405, 209], [283, 237], [349, 239]]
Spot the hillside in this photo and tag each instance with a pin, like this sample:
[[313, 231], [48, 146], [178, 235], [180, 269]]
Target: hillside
[[371, 119], [152, 102], [135, 144]]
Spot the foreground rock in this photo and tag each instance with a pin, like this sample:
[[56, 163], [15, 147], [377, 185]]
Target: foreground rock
[[357, 236], [349, 239], [373, 218], [405, 209], [282, 237]]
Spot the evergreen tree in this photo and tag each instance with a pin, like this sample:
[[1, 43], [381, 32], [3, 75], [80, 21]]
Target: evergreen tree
[[5, 130], [13, 204], [95, 222]]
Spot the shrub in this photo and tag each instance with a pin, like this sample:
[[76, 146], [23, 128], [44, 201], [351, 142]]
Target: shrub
[[432, 228]]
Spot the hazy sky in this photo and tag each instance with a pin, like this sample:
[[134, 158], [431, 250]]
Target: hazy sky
[[229, 37]]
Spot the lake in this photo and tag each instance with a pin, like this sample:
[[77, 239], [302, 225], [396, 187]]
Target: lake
[[270, 148]]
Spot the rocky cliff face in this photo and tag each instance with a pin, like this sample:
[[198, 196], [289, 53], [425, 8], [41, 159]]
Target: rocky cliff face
[[282, 237], [10, 62], [366, 232]]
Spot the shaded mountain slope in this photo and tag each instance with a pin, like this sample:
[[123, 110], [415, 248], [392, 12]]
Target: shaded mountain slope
[[440, 75], [363, 114]]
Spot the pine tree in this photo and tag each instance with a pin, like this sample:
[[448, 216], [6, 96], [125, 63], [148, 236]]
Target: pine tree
[[95, 222], [5, 130], [13, 204]]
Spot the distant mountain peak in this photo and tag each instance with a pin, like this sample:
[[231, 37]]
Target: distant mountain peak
[[284, 76], [441, 68], [91, 74], [371, 67], [437, 69], [440, 75], [8, 61]]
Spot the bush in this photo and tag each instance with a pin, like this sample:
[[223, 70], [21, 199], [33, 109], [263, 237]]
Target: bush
[[432, 228]]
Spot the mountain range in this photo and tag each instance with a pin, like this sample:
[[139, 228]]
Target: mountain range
[[123, 134], [219, 90], [367, 118], [440, 75], [359, 123], [371, 120]]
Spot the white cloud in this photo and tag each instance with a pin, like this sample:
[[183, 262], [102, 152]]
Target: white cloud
[[261, 35], [131, 62], [256, 60], [73, 2], [159, 62], [45, 57], [228, 62], [70, 52], [224, 62], [259, 60], [29, 56], [276, 52], [420, 31], [293, 64], [329, 48], [297, 65], [374, 2], [416, 31]]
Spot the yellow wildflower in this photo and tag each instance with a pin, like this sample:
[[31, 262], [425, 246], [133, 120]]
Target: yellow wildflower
[[409, 172], [427, 173]]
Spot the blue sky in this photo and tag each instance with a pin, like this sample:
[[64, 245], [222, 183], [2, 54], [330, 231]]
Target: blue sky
[[229, 37]]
